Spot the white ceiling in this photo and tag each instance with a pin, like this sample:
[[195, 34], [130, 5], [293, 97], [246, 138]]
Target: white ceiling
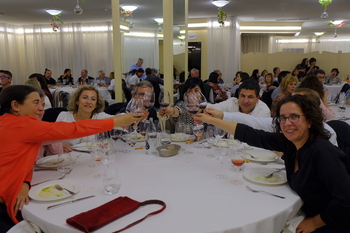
[[20, 12]]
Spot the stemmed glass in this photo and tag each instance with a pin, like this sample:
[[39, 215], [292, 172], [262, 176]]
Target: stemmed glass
[[218, 133], [191, 103], [209, 139], [148, 102], [164, 101], [135, 106], [97, 151], [202, 101], [237, 159], [198, 131]]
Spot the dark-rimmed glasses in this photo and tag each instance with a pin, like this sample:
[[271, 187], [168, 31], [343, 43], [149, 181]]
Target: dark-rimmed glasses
[[4, 76], [292, 118]]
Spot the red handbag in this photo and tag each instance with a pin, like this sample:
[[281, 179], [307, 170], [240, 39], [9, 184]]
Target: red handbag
[[110, 211]]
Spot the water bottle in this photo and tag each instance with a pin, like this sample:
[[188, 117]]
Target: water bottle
[[151, 139]]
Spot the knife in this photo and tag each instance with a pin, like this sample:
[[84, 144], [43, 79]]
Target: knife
[[68, 202]]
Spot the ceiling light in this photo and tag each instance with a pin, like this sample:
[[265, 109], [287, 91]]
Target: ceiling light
[[318, 33], [220, 3], [159, 20], [54, 12], [336, 22], [271, 28], [129, 7]]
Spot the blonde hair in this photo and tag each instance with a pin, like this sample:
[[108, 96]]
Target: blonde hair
[[74, 97], [34, 82], [286, 81]]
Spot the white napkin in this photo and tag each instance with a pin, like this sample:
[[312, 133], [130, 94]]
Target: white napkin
[[291, 225], [25, 227]]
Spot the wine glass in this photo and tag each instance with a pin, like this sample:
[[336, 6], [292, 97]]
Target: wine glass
[[202, 101], [218, 133], [209, 139], [164, 101], [198, 131], [237, 159], [135, 106], [148, 102], [191, 103], [66, 163], [165, 138]]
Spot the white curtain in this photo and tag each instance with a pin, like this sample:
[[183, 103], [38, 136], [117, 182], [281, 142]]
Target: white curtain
[[224, 47], [30, 49]]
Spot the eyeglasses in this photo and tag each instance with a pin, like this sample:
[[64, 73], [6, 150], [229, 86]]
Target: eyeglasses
[[292, 118], [4, 76]]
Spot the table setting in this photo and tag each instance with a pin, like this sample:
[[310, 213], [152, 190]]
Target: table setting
[[186, 182]]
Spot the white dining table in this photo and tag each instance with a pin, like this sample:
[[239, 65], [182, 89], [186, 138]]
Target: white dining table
[[69, 89], [334, 89], [197, 202]]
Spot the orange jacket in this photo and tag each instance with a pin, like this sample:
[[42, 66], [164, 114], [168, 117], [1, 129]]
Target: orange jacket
[[20, 140]]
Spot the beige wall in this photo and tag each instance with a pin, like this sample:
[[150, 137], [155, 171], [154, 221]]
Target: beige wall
[[288, 61]]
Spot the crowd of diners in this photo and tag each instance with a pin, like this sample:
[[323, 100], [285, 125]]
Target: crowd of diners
[[282, 111]]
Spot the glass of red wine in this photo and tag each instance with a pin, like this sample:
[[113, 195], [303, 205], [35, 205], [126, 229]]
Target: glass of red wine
[[202, 101], [164, 100], [191, 103], [237, 159], [135, 106], [148, 102]]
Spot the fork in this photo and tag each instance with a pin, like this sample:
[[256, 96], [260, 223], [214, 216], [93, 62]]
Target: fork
[[262, 191], [277, 170], [254, 157], [58, 187]]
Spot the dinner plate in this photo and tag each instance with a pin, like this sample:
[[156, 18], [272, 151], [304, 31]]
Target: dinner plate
[[261, 155], [139, 137], [48, 161], [257, 175], [47, 191], [179, 137], [83, 147]]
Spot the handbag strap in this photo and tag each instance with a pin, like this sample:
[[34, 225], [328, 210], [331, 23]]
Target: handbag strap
[[148, 202]]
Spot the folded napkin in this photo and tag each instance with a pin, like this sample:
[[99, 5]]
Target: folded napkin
[[106, 213], [292, 224]]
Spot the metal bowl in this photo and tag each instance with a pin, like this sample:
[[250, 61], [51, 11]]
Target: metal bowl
[[168, 150]]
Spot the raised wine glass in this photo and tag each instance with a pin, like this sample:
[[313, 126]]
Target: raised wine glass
[[164, 101], [191, 103], [202, 101], [135, 106], [148, 102]]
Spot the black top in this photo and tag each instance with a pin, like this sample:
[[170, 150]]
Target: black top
[[88, 80], [70, 80], [50, 81], [322, 181]]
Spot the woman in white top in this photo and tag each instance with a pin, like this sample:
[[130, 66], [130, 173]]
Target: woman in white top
[[85, 103]]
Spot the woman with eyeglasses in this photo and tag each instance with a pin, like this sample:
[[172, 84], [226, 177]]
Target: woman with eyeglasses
[[316, 170]]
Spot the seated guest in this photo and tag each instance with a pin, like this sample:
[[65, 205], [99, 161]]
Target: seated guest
[[220, 80], [179, 111], [6, 78], [241, 77], [66, 78], [85, 103], [248, 101], [333, 77], [262, 75], [131, 81], [48, 78], [84, 78], [288, 86], [43, 84], [313, 83], [281, 76], [301, 68], [312, 66], [316, 170], [126, 92], [219, 93], [102, 80], [255, 75], [22, 135], [34, 82], [150, 77]]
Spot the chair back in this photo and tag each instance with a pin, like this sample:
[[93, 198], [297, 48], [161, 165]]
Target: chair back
[[51, 114]]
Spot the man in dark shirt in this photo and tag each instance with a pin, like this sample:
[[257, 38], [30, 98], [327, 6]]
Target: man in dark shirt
[[85, 78], [49, 80], [150, 77]]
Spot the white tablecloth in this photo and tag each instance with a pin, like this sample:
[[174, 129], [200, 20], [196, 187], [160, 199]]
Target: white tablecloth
[[197, 202], [334, 90], [103, 91]]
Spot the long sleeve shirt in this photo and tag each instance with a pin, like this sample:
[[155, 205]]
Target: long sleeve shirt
[[20, 140], [322, 179]]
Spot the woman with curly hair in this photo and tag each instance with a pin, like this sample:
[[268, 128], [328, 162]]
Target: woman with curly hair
[[316, 170], [85, 103]]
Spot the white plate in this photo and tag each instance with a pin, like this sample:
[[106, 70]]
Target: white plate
[[261, 155], [82, 147], [177, 137], [47, 192], [48, 161], [257, 175], [139, 137]]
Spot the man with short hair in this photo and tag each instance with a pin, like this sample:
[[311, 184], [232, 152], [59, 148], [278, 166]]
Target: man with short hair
[[194, 73], [138, 66], [142, 90], [85, 78], [5, 78], [150, 77], [135, 79], [102, 80], [247, 102]]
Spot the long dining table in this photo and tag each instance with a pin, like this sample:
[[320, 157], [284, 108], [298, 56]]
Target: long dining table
[[197, 202]]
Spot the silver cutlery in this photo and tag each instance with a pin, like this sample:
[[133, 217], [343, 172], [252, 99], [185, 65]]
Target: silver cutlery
[[68, 202], [51, 163], [60, 188], [262, 191], [49, 180], [277, 170], [254, 157]]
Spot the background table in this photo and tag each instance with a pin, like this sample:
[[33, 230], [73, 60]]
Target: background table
[[334, 90], [196, 201]]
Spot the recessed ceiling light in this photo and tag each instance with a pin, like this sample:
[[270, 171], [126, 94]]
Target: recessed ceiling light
[[53, 12]]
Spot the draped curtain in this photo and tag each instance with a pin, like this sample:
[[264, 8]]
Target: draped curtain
[[224, 47], [255, 42], [30, 49]]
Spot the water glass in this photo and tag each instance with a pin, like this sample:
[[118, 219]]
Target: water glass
[[111, 184], [66, 166]]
